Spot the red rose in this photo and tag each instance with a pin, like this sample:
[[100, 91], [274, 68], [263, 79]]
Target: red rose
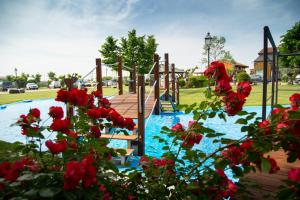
[[247, 144], [294, 175], [265, 126], [129, 124], [233, 103], [71, 134], [105, 101], [217, 71], [244, 89], [56, 112], [94, 113], [222, 87], [97, 94], [62, 95], [78, 97], [282, 126], [178, 128], [95, 131], [35, 112], [58, 147], [274, 167], [295, 100], [61, 125]]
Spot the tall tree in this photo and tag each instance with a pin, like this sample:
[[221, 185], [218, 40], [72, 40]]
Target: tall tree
[[37, 78], [217, 51], [290, 43], [135, 50], [52, 76], [110, 52]]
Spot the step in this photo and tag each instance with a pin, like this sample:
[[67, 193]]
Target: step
[[128, 153], [119, 137]]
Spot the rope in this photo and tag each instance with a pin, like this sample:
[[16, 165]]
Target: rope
[[150, 113], [151, 69], [150, 92], [129, 68], [88, 74]]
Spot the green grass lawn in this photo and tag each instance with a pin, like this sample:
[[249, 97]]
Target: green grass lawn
[[187, 96], [6, 98]]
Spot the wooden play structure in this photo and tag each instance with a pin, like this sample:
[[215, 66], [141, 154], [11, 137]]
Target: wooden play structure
[[139, 103]]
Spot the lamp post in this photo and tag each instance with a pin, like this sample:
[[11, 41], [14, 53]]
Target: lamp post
[[208, 40], [16, 73]]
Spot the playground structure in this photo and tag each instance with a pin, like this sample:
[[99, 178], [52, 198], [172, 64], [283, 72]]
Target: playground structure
[[138, 103]]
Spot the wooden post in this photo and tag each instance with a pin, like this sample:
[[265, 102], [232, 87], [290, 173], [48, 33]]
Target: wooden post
[[99, 76], [141, 115], [120, 78], [167, 76], [156, 87], [134, 79], [177, 91], [70, 109], [173, 82]]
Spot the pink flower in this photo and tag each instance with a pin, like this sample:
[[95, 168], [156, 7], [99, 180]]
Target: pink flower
[[294, 175]]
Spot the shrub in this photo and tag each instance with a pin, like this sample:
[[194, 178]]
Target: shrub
[[197, 82], [243, 76], [181, 82]]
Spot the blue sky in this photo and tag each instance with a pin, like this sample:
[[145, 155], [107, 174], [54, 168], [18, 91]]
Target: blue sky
[[64, 36]]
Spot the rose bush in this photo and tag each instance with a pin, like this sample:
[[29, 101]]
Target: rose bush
[[78, 163]]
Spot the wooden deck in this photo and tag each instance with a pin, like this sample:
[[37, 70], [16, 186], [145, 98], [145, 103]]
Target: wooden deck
[[127, 105], [268, 183]]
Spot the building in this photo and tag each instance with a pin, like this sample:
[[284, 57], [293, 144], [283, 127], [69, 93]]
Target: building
[[234, 68], [259, 63]]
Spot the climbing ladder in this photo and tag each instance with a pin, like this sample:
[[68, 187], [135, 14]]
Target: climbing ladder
[[167, 105]]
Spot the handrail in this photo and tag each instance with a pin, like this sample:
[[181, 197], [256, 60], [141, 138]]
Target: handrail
[[151, 113], [150, 92]]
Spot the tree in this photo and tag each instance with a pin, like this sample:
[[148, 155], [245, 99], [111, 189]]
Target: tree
[[136, 51], [217, 51], [10, 78], [52, 76], [110, 52], [290, 43], [36, 78]]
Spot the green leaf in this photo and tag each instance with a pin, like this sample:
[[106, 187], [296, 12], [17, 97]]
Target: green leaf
[[241, 121], [265, 165], [226, 141], [292, 157], [241, 113], [49, 192], [166, 148]]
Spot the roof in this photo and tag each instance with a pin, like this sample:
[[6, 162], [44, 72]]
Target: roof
[[260, 58], [237, 64], [177, 70], [270, 51]]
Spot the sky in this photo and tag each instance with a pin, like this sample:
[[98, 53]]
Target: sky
[[64, 36]]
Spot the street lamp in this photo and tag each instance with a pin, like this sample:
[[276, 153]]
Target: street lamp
[[208, 40], [16, 72]]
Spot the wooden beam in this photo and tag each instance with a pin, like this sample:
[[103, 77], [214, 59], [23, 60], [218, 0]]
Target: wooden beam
[[167, 76], [141, 116], [120, 77], [134, 79], [173, 82], [99, 75], [156, 87], [177, 91]]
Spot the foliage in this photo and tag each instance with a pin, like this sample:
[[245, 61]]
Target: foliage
[[197, 82], [217, 51], [110, 52], [243, 76], [181, 82], [136, 51], [290, 43], [189, 72], [78, 166], [106, 78], [52, 77]]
